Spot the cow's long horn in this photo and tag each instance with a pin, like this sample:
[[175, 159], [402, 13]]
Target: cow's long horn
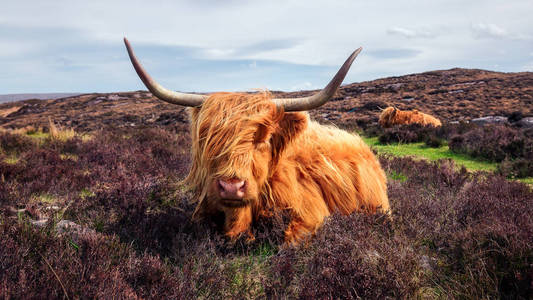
[[307, 103], [158, 90]]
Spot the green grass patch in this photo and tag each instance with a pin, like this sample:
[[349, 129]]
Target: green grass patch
[[247, 272], [397, 176], [11, 160], [422, 151], [527, 180], [85, 193], [264, 251], [46, 198], [38, 134]]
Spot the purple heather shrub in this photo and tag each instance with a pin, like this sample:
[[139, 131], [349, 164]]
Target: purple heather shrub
[[451, 234], [494, 142]]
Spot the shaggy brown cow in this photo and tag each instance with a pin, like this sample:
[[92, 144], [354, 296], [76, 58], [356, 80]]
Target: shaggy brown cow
[[393, 116], [253, 155]]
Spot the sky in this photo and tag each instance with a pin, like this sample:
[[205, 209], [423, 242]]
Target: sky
[[234, 45]]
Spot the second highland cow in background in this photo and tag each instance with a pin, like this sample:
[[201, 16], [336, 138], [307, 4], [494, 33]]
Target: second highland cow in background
[[392, 116]]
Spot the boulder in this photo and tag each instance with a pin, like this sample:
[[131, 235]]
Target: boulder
[[490, 120], [525, 122], [39, 223]]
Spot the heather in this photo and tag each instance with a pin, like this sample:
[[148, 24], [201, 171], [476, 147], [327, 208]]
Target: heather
[[412, 133], [495, 142], [452, 233], [511, 147]]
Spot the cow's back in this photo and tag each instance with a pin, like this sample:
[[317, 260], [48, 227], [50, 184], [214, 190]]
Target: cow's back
[[337, 167]]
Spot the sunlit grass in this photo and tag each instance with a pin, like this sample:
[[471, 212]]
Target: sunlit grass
[[11, 160], [422, 151], [58, 133], [55, 132], [397, 176], [85, 137], [6, 112], [528, 180], [84, 193], [248, 270], [38, 135], [46, 198], [68, 156]]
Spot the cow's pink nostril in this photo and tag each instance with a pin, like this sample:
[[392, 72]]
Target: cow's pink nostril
[[232, 188], [240, 184]]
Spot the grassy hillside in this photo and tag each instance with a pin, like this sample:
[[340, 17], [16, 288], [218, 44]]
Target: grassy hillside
[[422, 151], [502, 149]]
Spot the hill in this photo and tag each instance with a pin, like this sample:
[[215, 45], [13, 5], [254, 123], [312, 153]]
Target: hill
[[452, 95], [18, 97]]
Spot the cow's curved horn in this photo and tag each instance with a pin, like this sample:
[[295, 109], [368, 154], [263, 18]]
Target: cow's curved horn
[[158, 90], [307, 103]]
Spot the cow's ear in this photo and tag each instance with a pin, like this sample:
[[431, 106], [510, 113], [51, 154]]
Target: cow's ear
[[289, 126], [263, 133]]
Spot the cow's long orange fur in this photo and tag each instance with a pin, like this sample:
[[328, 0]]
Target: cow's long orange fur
[[290, 163], [392, 116]]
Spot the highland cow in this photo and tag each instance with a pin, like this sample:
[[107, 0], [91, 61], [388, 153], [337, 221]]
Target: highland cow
[[253, 155], [392, 116]]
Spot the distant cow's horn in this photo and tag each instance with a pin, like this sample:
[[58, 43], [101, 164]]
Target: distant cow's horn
[[158, 90], [307, 103]]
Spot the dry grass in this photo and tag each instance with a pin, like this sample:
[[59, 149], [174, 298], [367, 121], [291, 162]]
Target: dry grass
[[6, 112], [23, 130], [58, 133], [11, 160]]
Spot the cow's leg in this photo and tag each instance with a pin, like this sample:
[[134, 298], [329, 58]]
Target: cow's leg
[[238, 221]]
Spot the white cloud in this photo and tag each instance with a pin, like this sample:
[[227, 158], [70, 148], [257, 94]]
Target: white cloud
[[410, 33], [15, 48], [493, 31], [302, 40], [302, 86], [488, 30], [528, 67], [219, 53]]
